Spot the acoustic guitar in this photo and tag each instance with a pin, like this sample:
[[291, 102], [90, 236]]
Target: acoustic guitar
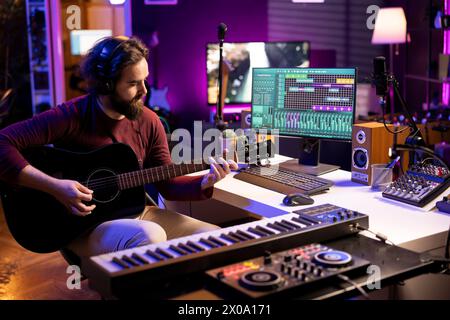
[[40, 223]]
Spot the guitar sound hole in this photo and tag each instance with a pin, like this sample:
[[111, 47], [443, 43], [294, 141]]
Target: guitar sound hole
[[104, 183]]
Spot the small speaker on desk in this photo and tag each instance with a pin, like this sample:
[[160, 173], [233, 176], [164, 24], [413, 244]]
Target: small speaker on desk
[[370, 145]]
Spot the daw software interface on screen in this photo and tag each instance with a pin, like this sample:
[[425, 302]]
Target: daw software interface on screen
[[305, 102]]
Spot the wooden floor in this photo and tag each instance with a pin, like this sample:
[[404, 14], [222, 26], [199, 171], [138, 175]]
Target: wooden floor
[[29, 276]]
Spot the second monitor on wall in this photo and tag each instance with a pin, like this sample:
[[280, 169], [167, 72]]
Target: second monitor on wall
[[241, 57]]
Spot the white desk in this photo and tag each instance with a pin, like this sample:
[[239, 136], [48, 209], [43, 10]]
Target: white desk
[[399, 222]]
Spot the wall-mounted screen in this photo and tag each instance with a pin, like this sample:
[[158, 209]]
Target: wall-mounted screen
[[83, 40]]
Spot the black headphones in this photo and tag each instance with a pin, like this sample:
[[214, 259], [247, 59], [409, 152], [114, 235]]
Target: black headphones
[[107, 53]]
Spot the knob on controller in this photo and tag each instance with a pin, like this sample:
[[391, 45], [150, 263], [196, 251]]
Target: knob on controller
[[332, 258], [261, 280]]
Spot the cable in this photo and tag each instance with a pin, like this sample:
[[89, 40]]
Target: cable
[[354, 284], [162, 201], [424, 150], [379, 236], [442, 260], [384, 121], [150, 199], [447, 245], [426, 159]]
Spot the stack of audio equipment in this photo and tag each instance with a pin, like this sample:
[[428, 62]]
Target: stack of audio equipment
[[419, 185], [143, 270]]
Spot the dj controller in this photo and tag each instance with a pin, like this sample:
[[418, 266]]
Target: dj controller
[[284, 272]]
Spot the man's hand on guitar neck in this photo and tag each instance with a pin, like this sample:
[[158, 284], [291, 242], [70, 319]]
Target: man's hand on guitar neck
[[69, 192], [219, 169]]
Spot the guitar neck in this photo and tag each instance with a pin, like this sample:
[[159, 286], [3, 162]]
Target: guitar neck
[[140, 177]]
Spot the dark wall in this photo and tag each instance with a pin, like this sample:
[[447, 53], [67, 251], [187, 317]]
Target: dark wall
[[184, 29], [421, 55], [338, 25]]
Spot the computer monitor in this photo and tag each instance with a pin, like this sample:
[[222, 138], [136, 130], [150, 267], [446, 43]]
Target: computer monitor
[[83, 40], [241, 57], [311, 103]]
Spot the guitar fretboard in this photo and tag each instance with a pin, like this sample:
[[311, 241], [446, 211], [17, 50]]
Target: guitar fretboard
[[140, 177]]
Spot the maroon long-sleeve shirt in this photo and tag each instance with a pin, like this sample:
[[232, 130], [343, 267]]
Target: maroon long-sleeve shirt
[[81, 125]]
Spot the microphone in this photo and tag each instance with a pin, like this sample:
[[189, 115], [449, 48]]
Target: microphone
[[380, 76], [221, 30]]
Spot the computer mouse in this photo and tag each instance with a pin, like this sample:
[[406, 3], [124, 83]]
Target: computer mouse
[[297, 199]]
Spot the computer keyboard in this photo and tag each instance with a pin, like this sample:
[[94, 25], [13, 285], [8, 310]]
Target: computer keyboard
[[283, 180]]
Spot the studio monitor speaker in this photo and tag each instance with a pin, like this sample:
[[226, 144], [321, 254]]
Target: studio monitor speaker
[[370, 145]]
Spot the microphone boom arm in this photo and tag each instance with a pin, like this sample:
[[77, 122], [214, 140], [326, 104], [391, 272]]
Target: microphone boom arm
[[416, 138]]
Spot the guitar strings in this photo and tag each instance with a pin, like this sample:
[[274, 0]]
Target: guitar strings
[[100, 183], [131, 176]]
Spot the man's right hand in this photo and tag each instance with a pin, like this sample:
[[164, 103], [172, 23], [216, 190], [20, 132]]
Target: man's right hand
[[69, 192], [72, 194]]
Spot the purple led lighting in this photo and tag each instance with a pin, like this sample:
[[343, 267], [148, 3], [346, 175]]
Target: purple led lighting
[[446, 86], [232, 109]]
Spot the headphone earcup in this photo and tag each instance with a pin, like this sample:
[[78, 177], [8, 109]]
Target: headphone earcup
[[103, 67]]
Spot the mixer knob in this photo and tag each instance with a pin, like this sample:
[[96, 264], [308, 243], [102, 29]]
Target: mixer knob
[[318, 272], [287, 258], [301, 276], [283, 267], [289, 270]]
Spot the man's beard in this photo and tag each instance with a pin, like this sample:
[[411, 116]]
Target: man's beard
[[130, 109]]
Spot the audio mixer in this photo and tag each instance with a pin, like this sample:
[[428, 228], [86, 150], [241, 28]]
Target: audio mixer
[[419, 185], [285, 272]]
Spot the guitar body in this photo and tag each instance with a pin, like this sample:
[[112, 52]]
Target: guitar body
[[42, 224]]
